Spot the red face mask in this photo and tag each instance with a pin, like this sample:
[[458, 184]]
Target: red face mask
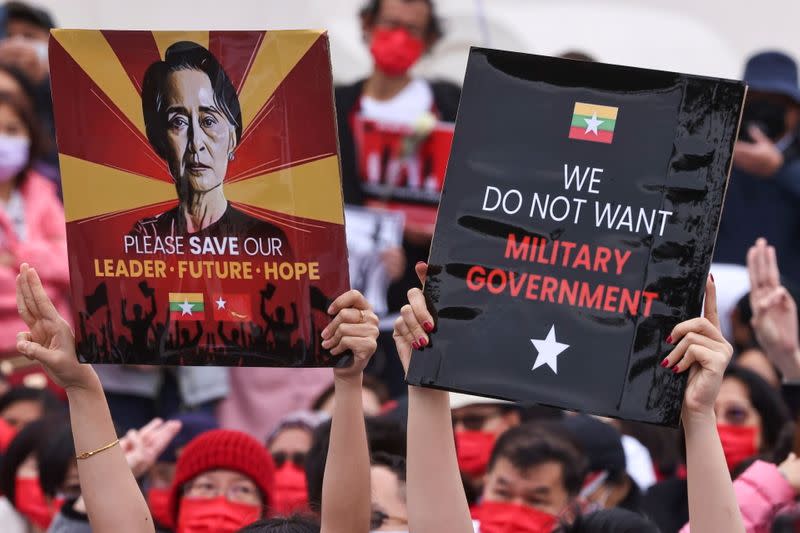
[[291, 491], [215, 515], [32, 504], [473, 449], [738, 443], [395, 50], [158, 501], [499, 517]]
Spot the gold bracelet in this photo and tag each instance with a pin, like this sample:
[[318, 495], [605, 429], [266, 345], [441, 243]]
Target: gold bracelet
[[86, 455]]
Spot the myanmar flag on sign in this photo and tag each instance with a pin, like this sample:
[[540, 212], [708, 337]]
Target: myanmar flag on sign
[[592, 122], [232, 308], [186, 306]]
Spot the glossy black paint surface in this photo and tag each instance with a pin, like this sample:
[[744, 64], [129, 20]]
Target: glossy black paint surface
[[671, 151]]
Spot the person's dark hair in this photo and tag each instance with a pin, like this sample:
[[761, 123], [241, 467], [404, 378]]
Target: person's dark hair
[[25, 443], [435, 30], [577, 55], [185, 55], [532, 444], [27, 13], [769, 404], [395, 463], [55, 456], [382, 436], [26, 114], [48, 400], [370, 383], [26, 85], [293, 524], [610, 521]]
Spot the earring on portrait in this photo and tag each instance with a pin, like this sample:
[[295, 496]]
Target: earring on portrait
[[231, 157]]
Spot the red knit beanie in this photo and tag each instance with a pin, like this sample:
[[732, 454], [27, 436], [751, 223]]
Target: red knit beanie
[[223, 449]]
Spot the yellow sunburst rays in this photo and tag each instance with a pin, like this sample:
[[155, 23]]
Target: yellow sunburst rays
[[309, 190], [109, 190], [277, 55]]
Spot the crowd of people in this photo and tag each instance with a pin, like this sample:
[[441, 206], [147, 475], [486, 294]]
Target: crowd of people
[[195, 449]]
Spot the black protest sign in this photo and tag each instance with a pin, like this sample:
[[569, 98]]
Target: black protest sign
[[576, 229]]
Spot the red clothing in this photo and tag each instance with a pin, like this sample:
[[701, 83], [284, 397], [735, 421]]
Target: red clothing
[[44, 248]]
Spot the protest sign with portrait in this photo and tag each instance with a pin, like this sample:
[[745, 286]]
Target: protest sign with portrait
[[202, 194]]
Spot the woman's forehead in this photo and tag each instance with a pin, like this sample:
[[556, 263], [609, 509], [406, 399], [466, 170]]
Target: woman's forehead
[[189, 88], [222, 475]]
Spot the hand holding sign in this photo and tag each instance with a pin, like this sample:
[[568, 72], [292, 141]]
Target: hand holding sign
[[700, 348], [415, 322], [355, 328], [49, 340]]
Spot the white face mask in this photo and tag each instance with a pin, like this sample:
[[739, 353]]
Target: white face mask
[[14, 151]]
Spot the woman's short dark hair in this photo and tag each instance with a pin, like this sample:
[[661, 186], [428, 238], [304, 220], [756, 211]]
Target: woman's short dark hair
[[533, 444], [55, 456], [770, 406], [50, 404], [293, 524], [185, 55], [610, 521], [383, 435], [25, 443], [433, 32]]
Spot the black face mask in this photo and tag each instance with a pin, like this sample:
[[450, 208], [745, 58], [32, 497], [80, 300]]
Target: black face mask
[[770, 117]]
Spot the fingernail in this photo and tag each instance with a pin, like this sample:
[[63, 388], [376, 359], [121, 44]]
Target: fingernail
[[669, 339], [330, 310], [665, 362], [415, 345], [675, 369], [427, 326], [423, 342], [420, 262], [710, 275]]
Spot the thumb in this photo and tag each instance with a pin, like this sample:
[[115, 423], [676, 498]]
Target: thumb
[[710, 306], [34, 350], [757, 135], [421, 269]]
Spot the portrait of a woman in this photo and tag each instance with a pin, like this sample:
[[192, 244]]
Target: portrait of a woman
[[194, 122]]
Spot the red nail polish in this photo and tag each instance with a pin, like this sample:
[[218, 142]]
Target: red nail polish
[[669, 339], [675, 369], [665, 362], [415, 345], [423, 342], [428, 327]]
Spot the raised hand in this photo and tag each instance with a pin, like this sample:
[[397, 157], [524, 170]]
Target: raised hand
[[49, 340], [354, 327], [774, 310], [701, 349], [142, 447], [760, 157], [412, 327]]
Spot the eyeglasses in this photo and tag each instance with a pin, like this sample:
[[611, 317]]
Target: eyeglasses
[[473, 422], [242, 492], [296, 458], [379, 518]]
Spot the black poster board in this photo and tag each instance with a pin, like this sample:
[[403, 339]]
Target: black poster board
[[576, 228]]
